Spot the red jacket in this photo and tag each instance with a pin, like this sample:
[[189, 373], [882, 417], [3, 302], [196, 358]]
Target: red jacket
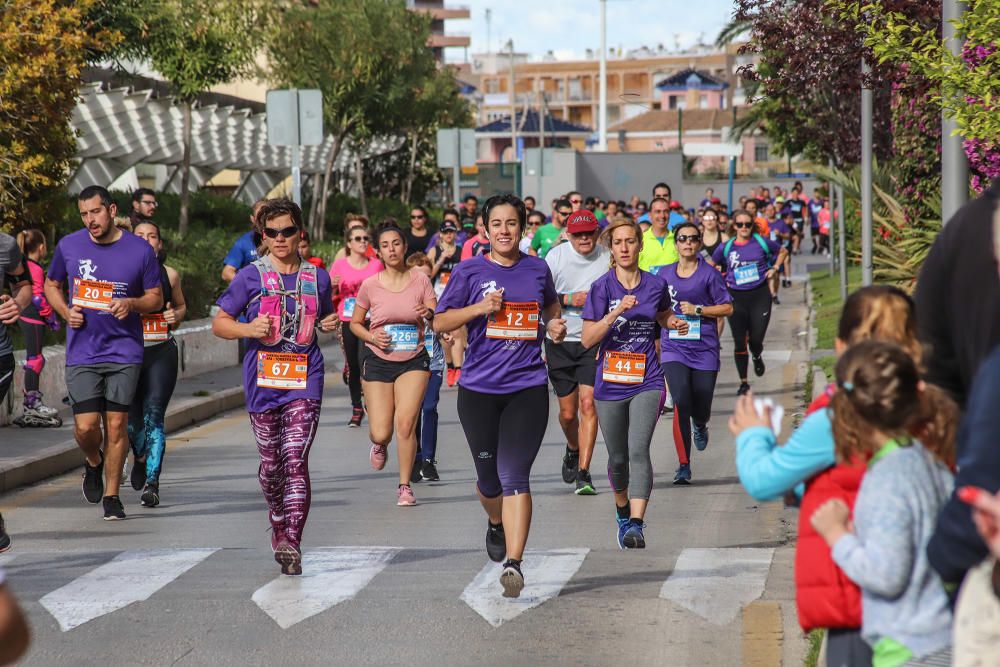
[[824, 596]]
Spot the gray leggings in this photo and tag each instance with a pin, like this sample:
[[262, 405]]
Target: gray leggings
[[628, 426]]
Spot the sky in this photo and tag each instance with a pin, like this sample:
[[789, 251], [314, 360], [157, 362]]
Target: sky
[[569, 27]]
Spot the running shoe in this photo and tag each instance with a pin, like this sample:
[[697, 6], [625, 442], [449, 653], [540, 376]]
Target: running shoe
[[415, 475], [668, 403], [4, 537], [138, 475], [699, 433], [429, 471], [683, 474], [571, 461], [744, 389], [288, 557], [377, 456], [584, 484], [450, 377], [623, 525], [113, 508], [458, 375], [404, 496], [93, 481], [633, 538], [511, 579], [758, 366], [775, 300], [356, 415], [150, 495], [496, 542]]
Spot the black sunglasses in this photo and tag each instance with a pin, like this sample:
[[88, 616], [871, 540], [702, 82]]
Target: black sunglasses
[[416, 217], [361, 238], [684, 238], [287, 232], [742, 225], [564, 212]]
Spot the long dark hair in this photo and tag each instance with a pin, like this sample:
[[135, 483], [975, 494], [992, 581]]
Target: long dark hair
[[505, 200]]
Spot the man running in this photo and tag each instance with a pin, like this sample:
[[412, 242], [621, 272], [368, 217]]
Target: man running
[[551, 234], [143, 206], [244, 251], [115, 278], [13, 275], [658, 249], [572, 367]]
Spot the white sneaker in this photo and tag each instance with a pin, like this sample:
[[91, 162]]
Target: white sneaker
[[668, 402]]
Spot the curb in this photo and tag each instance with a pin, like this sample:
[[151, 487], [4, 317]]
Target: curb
[[64, 457]]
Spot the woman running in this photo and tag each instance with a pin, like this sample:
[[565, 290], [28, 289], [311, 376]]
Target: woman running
[[445, 257], [157, 378], [346, 276], [505, 298], [749, 261], [283, 299], [35, 319], [712, 235], [395, 366], [621, 314], [698, 295]]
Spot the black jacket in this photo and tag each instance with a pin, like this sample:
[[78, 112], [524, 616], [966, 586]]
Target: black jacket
[[958, 297]]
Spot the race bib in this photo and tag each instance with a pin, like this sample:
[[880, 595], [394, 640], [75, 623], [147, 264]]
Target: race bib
[[282, 370], [746, 274], [404, 337], [155, 328], [624, 367], [694, 329], [347, 308], [429, 340], [514, 321], [93, 294], [443, 278]]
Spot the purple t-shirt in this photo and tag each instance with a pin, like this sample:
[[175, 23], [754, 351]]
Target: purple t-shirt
[[239, 299], [747, 265], [130, 266], [780, 227], [634, 332], [504, 353], [705, 287]]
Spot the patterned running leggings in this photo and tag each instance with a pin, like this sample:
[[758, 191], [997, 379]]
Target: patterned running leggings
[[284, 436]]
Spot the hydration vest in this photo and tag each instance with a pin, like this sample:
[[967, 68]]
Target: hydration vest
[[760, 240], [299, 326]]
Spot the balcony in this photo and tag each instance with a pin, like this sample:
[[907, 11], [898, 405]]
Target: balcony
[[441, 41], [445, 13]]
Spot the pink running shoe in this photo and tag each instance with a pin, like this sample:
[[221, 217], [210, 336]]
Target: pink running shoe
[[404, 496], [377, 456]]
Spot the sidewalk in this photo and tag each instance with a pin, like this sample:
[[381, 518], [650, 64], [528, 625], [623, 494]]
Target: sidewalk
[[29, 455]]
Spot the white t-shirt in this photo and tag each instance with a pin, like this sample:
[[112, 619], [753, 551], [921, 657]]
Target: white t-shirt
[[573, 272]]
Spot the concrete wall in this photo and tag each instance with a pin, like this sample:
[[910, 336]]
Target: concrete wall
[[200, 352], [621, 175]]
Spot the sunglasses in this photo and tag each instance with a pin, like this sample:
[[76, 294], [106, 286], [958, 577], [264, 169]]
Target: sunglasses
[[685, 238], [742, 225], [564, 213], [363, 239], [575, 201], [417, 217], [287, 232], [535, 224], [578, 235]]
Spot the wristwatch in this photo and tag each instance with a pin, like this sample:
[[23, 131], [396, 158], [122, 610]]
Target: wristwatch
[[698, 310]]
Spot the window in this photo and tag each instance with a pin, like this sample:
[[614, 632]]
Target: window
[[760, 153], [703, 101]]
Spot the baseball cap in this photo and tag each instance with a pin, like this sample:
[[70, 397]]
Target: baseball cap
[[675, 204], [581, 221], [449, 226]]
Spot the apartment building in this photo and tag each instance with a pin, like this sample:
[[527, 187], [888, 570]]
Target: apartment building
[[440, 13]]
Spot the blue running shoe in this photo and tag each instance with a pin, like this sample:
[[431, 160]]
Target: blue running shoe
[[633, 538], [623, 525], [683, 474], [699, 432]]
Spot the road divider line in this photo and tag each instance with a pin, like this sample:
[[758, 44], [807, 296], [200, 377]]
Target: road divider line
[[716, 583]]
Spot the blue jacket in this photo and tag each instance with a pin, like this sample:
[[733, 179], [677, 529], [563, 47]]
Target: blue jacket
[[956, 547], [767, 471]]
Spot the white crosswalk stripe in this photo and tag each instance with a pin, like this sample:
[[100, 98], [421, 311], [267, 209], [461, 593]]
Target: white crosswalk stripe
[[330, 576], [717, 583], [546, 573], [131, 576]]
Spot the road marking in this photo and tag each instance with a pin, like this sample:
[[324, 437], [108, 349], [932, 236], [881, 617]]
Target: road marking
[[545, 574], [330, 575], [717, 583], [782, 356], [5, 559], [131, 576]]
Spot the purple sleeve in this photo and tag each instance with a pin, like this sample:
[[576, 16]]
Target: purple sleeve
[[549, 291], [150, 270], [325, 293], [663, 304], [773, 245], [236, 298], [595, 302], [57, 269], [719, 256], [717, 289], [456, 292]]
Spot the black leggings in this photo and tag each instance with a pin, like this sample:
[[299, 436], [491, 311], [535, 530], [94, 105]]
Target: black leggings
[[34, 336], [692, 391], [751, 315], [352, 349], [505, 432], [6, 374]]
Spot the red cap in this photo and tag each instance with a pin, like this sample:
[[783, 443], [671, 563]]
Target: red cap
[[675, 204], [581, 221], [716, 200]]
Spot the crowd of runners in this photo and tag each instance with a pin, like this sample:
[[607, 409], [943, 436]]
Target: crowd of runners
[[619, 306]]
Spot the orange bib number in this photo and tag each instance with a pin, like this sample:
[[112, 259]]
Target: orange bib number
[[93, 294], [624, 367], [282, 370], [443, 278], [154, 328], [514, 321]]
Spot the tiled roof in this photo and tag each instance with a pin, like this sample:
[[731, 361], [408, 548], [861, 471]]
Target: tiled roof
[[691, 78], [667, 120], [530, 125]]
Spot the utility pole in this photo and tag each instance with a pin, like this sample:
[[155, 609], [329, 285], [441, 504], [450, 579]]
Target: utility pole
[[541, 144], [489, 30], [513, 117], [954, 163], [602, 117], [867, 272]]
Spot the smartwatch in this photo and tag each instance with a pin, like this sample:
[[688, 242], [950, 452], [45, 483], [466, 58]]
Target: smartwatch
[[698, 310]]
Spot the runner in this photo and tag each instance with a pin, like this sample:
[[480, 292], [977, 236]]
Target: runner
[[346, 276], [572, 367], [395, 366], [143, 206], [478, 244], [575, 199], [450, 214], [658, 247], [283, 299], [691, 361], [748, 259], [535, 220], [305, 252], [622, 314], [505, 298], [445, 257], [157, 378], [470, 207], [797, 207], [711, 235], [36, 318], [782, 232], [418, 236], [15, 277], [551, 234], [354, 221], [115, 278], [244, 251]]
